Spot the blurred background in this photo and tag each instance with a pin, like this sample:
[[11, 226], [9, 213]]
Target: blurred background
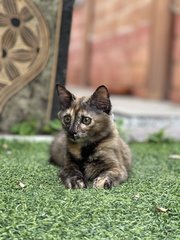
[[132, 46]]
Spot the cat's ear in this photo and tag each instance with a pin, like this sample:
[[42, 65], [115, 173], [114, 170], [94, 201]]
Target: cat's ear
[[65, 97], [100, 99]]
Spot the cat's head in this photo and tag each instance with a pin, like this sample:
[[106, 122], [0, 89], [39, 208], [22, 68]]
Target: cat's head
[[85, 119]]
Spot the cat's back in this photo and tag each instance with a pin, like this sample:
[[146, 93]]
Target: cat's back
[[125, 152], [59, 149], [114, 143]]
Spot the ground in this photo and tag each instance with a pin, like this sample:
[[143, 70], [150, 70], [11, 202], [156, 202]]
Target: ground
[[34, 205]]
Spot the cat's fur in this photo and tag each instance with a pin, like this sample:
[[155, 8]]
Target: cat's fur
[[89, 147]]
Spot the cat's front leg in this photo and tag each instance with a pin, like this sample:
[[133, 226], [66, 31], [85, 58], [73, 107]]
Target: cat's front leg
[[110, 178], [72, 178]]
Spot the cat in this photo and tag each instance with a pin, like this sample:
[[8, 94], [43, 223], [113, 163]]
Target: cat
[[89, 146]]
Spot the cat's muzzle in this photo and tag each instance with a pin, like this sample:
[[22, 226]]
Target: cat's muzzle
[[73, 136]]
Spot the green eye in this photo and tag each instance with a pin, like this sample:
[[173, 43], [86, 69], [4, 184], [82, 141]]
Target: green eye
[[86, 120], [67, 119]]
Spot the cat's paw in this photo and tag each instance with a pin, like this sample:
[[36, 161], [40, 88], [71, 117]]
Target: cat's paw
[[102, 182], [75, 183]]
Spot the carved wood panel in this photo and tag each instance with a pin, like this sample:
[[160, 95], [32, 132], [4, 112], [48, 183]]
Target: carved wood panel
[[24, 45]]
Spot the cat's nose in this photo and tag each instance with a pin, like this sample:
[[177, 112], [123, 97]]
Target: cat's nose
[[73, 132]]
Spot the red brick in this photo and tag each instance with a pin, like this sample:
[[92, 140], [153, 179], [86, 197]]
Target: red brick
[[110, 50], [177, 25], [175, 95], [107, 69], [176, 49], [143, 34], [140, 91], [176, 75], [140, 54], [74, 67], [139, 75], [78, 18]]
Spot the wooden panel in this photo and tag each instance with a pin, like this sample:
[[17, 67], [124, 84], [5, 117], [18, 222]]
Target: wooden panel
[[25, 53], [86, 58], [29, 40], [160, 49]]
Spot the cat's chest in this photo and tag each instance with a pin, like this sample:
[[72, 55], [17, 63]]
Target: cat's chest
[[88, 160], [75, 150], [82, 154]]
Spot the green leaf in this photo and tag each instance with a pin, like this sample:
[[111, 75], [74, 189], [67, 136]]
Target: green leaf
[[25, 128], [159, 137], [53, 126]]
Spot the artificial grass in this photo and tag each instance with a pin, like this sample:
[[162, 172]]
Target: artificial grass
[[44, 209]]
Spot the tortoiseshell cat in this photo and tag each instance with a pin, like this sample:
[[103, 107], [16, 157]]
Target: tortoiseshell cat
[[89, 147]]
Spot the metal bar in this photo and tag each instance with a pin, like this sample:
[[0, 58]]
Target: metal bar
[[63, 50]]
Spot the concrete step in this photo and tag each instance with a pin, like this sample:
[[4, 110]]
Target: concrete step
[[141, 117]]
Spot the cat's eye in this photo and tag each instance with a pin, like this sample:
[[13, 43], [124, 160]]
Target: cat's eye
[[67, 119], [86, 120]]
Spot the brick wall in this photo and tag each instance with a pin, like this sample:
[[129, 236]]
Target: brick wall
[[76, 46], [119, 47]]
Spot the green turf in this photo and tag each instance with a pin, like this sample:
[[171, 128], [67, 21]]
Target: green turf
[[44, 209]]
